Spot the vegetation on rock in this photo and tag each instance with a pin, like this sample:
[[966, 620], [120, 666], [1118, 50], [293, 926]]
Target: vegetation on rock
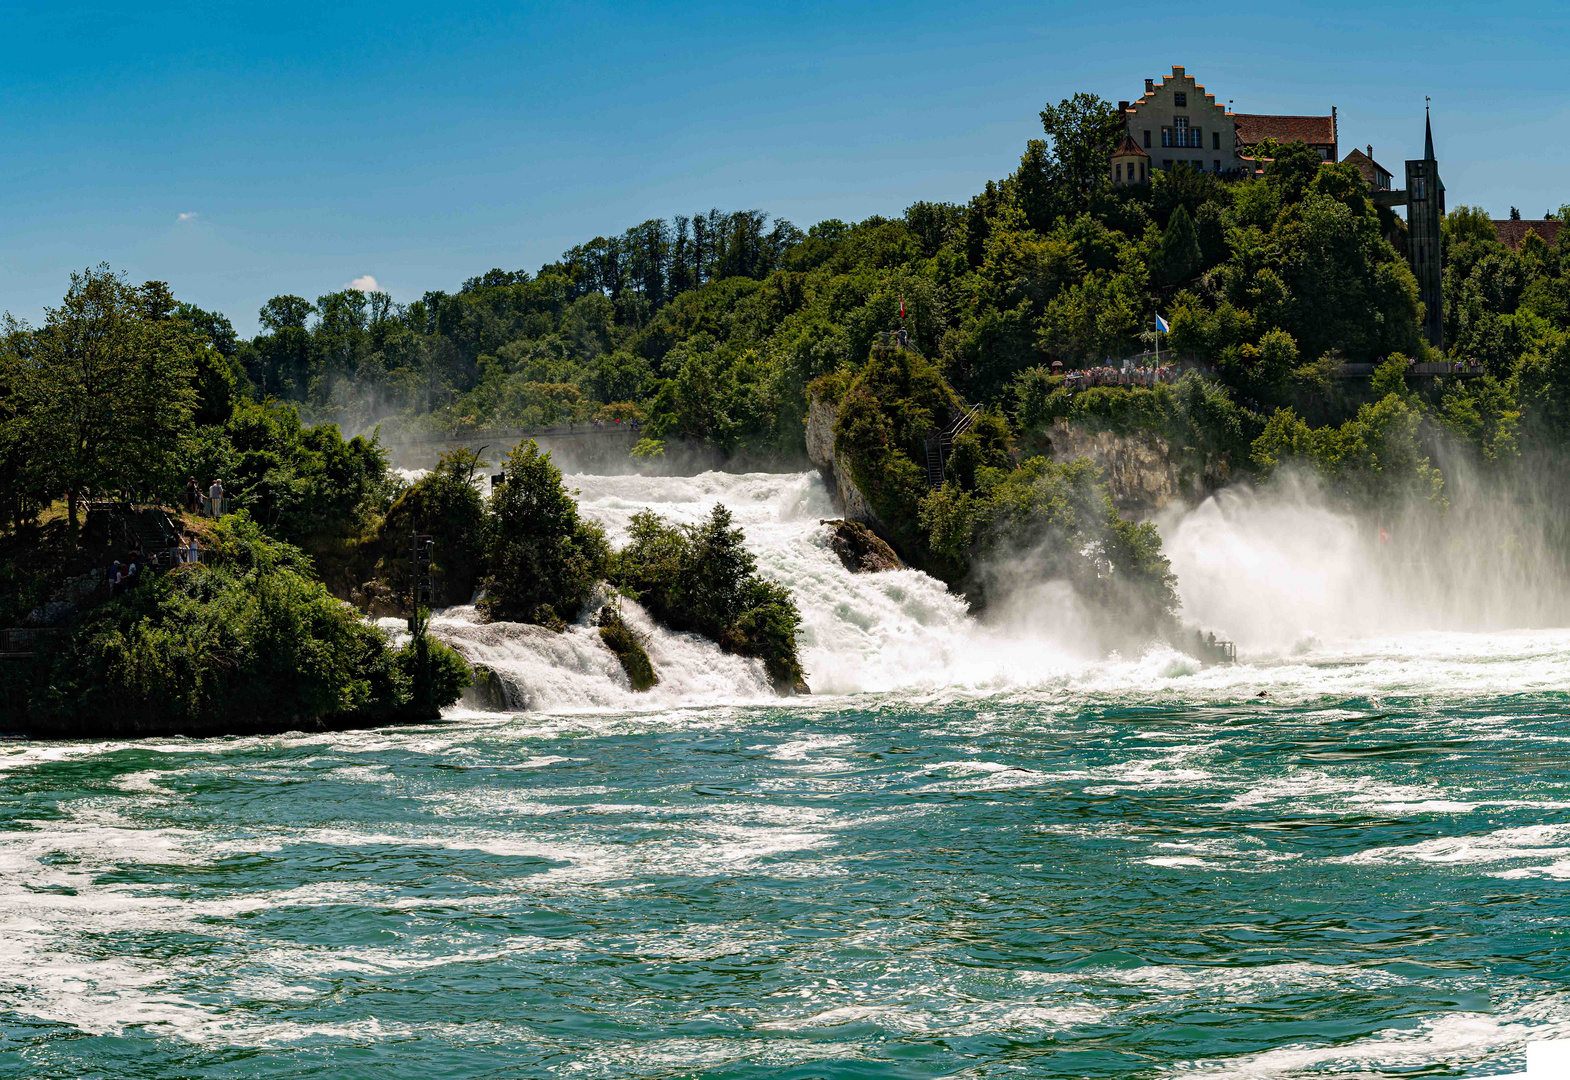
[[247, 640], [701, 578], [623, 640]]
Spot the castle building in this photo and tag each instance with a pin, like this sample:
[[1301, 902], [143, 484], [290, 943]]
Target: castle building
[[1177, 122], [1375, 175]]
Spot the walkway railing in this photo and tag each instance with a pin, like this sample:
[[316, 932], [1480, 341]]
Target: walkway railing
[[21, 642], [941, 443]]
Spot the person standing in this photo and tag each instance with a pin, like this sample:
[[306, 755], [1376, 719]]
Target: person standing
[[215, 497], [193, 496]]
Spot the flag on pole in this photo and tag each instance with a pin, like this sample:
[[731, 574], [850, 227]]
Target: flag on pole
[[902, 307], [1161, 325]]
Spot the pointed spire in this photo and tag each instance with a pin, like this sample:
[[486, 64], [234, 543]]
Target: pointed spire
[[1428, 134]]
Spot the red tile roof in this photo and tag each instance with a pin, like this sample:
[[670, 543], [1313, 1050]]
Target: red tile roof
[[1512, 233], [1129, 148], [1255, 128]]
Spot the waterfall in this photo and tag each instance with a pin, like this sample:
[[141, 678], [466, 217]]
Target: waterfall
[[860, 633]]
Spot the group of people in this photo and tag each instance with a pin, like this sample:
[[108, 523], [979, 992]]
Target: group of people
[[126, 575], [1131, 376], [634, 425], [215, 498]]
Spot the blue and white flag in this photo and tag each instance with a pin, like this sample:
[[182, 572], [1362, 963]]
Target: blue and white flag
[[1161, 324]]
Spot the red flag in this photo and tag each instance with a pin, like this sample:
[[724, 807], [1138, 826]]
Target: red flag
[[902, 307], [1384, 537]]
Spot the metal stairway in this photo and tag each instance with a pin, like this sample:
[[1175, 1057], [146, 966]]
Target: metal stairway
[[941, 443]]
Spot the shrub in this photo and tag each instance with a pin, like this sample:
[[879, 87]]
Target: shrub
[[701, 578], [445, 504], [244, 641], [543, 560], [624, 641]]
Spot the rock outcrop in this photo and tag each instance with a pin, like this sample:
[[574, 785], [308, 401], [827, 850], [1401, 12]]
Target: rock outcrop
[[832, 465], [1139, 469], [860, 549]]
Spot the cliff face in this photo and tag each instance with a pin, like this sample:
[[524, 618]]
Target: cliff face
[[833, 467], [1139, 470]]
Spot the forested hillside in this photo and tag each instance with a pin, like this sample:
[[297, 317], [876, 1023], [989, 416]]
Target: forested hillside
[[718, 328]]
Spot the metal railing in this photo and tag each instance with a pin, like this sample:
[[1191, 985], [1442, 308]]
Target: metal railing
[[209, 505], [20, 642], [941, 443]]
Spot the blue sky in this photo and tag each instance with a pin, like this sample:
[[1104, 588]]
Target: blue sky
[[297, 148]]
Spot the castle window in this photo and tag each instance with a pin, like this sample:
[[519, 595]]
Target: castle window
[[1196, 139], [1180, 98], [1166, 136], [1117, 172], [1147, 138], [1218, 165], [1180, 130], [1215, 140]]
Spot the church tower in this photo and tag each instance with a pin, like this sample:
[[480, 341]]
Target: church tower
[[1425, 209]]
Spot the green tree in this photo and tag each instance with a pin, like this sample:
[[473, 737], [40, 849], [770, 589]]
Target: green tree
[[543, 560], [104, 394], [702, 578], [1084, 130], [1180, 257]]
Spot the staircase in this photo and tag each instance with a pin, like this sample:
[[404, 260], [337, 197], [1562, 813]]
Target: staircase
[[151, 527], [934, 461], [941, 443]]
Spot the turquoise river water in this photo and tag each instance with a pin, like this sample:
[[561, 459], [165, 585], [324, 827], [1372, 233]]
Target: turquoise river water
[[986, 860]]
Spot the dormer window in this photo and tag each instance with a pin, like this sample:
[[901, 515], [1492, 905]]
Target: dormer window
[[1180, 98]]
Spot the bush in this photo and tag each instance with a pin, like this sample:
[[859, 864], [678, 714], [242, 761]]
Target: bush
[[445, 504], [701, 578], [890, 407], [245, 641], [1045, 521], [543, 560]]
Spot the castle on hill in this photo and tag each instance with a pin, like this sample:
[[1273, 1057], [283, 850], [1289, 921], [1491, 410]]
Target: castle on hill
[[1178, 124]]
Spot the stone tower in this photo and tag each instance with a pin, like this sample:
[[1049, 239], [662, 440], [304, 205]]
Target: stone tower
[[1425, 209]]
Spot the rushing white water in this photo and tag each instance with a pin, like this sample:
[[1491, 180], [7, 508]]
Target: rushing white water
[[998, 847], [860, 633], [1299, 586]]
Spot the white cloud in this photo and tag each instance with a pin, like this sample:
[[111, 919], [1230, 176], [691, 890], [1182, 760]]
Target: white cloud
[[188, 215], [365, 284]]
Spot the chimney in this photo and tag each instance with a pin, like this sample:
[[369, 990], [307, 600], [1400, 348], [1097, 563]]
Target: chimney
[[1122, 107], [1150, 84], [1370, 151]]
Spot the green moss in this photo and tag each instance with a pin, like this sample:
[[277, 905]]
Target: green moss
[[624, 641]]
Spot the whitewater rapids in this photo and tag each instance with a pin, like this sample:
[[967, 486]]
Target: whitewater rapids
[[974, 851], [1292, 582], [860, 633]]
